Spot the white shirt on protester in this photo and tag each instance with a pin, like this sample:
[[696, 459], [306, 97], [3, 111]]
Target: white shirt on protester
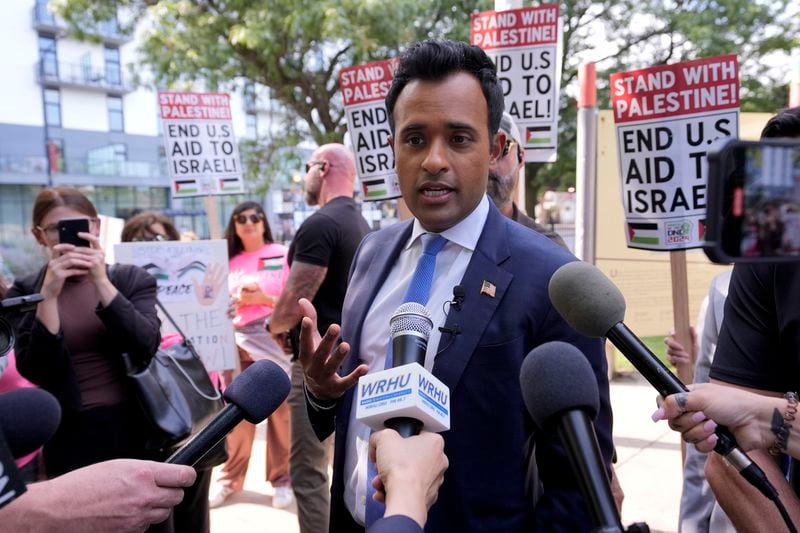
[[451, 263]]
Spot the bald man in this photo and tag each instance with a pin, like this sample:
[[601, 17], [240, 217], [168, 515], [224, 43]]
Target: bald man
[[320, 257]]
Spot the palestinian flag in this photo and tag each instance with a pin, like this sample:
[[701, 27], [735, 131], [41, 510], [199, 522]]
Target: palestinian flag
[[538, 137], [643, 233], [229, 185], [271, 263], [374, 188], [186, 187], [701, 229]]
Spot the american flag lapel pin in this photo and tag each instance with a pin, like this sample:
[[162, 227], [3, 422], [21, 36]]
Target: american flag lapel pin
[[488, 288]]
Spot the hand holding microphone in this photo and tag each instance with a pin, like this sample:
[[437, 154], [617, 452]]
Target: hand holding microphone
[[595, 307]]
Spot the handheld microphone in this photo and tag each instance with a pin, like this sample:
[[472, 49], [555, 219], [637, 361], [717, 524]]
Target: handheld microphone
[[595, 307], [560, 391], [405, 397], [28, 419], [252, 396]]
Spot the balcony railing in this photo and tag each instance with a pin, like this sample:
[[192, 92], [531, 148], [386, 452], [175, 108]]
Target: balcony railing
[[37, 164], [82, 76], [108, 30]]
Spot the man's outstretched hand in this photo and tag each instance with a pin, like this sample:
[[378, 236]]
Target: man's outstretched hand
[[321, 357]]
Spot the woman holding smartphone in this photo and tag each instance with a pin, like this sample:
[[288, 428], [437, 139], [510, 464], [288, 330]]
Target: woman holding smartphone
[[73, 345]]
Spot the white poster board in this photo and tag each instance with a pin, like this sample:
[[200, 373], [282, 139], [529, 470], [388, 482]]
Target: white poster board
[[364, 88], [202, 154], [667, 120], [193, 285], [524, 44]]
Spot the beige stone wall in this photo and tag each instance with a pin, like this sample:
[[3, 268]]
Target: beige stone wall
[[644, 276]]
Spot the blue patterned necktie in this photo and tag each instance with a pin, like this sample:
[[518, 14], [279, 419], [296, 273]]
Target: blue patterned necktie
[[419, 289]]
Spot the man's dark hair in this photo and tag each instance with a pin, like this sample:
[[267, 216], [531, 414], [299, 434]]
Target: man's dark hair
[[784, 124], [434, 60]]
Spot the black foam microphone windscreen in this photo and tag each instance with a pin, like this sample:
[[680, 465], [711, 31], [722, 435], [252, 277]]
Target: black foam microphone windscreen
[[586, 298], [556, 377], [259, 390], [28, 419]]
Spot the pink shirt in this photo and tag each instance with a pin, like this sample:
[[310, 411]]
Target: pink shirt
[[266, 266]]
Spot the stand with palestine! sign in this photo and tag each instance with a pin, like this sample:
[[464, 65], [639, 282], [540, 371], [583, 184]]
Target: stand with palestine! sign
[[667, 120], [202, 154]]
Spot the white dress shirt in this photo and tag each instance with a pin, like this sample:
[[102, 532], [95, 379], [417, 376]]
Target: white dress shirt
[[451, 263]]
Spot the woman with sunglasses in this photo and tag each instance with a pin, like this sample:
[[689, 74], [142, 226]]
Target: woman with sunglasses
[[73, 344], [258, 273]]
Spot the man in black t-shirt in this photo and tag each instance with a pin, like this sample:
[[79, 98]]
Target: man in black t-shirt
[[759, 350], [319, 257]]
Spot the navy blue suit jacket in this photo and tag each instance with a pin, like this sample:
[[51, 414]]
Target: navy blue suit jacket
[[395, 524], [487, 445]]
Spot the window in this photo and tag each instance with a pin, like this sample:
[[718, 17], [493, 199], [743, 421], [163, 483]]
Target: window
[[251, 121], [55, 154], [116, 121], [113, 70], [43, 14], [52, 107], [48, 57]]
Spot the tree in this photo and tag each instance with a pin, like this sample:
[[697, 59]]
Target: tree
[[297, 48], [622, 35]]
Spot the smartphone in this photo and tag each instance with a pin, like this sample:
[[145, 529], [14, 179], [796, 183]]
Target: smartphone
[[754, 202], [68, 229]]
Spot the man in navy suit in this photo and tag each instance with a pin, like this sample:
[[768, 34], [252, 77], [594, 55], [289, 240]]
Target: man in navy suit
[[444, 107]]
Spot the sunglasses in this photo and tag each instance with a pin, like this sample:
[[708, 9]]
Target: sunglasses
[[155, 237], [254, 218], [507, 149], [314, 163]]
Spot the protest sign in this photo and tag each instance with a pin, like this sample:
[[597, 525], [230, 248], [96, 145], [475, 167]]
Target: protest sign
[[202, 154], [524, 44], [363, 90], [192, 282], [667, 119]]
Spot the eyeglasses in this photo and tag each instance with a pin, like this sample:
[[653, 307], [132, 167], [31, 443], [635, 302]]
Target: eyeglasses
[[255, 218], [313, 163], [507, 149], [157, 237], [51, 231]]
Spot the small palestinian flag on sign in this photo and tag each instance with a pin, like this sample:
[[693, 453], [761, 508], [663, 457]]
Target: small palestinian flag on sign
[[271, 263], [229, 185], [186, 187], [643, 233], [701, 229], [538, 137], [373, 188]]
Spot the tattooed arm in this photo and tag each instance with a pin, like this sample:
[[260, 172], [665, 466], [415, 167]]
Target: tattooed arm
[[304, 281], [752, 416]]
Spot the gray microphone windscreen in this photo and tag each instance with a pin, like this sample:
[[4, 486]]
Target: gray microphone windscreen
[[556, 377], [259, 390], [586, 299], [411, 317]]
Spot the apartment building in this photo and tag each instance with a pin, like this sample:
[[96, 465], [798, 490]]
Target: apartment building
[[71, 115]]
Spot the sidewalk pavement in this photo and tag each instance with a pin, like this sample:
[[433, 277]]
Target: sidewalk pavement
[[648, 467]]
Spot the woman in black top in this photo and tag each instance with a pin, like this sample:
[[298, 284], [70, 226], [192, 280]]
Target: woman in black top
[[73, 345]]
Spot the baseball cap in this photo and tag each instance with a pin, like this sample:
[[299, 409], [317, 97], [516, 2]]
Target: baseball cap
[[509, 127]]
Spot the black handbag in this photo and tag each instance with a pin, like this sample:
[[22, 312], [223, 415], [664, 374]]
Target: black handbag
[[175, 393]]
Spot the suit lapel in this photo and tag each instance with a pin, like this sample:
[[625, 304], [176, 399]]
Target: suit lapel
[[380, 258], [479, 305]]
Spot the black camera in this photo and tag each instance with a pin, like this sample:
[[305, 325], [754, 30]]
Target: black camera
[[20, 304], [754, 202]]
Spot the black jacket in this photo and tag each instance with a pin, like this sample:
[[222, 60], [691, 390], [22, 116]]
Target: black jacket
[[130, 318]]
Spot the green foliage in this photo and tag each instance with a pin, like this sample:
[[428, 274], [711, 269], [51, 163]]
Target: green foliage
[[297, 48]]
